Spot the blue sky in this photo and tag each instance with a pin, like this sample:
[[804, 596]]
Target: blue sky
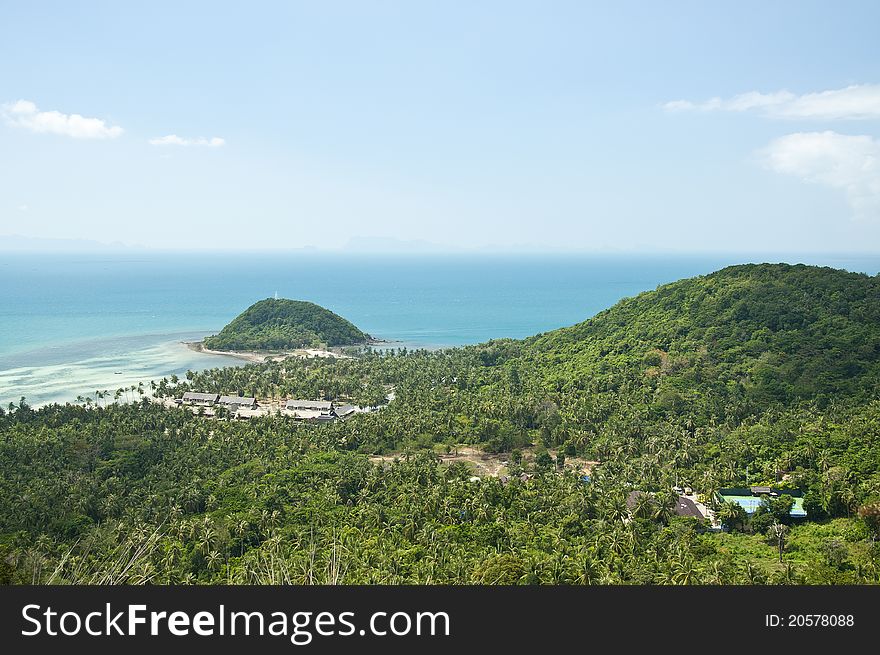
[[680, 126]]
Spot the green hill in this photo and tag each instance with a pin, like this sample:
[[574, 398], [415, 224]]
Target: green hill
[[756, 375], [753, 334], [277, 324]]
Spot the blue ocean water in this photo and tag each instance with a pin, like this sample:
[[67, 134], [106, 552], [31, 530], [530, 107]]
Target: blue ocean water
[[74, 323]]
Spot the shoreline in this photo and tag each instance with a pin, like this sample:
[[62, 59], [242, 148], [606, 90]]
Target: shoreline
[[105, 365], [65, 376], [256, 357]]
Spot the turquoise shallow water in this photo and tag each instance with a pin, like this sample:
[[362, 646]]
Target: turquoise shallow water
[[71, 324]]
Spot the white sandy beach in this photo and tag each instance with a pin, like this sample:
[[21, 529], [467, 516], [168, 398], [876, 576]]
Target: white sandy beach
[[260, 357]]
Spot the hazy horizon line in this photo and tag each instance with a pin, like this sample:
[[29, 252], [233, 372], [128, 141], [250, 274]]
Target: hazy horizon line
[[392, 247]]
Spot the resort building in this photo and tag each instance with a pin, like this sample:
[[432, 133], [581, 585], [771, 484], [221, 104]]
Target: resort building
[[234, 402], [684, 506], [311, 410], [197, 398], [344, 411], [312, 405]]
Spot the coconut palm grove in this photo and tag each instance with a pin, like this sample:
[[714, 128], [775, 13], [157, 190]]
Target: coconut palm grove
[[752, 377]]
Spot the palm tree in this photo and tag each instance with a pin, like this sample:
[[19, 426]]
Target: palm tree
[[214, 560], [644, 507], [731, 515], [778, 531]]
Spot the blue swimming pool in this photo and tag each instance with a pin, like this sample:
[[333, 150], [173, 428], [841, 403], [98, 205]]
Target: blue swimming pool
[[751, 503]]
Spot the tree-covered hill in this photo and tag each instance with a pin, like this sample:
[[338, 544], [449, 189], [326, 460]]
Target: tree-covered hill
[[277, 324], [753, 375], [750, 335]]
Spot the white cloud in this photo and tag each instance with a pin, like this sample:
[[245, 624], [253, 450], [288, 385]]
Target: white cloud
[[25, 114], [860, 101], [22, 208], [174, 140], [848, 163]]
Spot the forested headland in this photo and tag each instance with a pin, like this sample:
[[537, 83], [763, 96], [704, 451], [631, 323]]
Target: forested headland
[[279, 324], [753, 375]]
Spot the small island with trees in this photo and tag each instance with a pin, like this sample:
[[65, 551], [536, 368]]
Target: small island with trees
[[277, 324]]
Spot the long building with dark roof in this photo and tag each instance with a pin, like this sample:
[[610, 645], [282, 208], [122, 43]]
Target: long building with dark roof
[[313, 405], [198, 398], [238, 401]]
